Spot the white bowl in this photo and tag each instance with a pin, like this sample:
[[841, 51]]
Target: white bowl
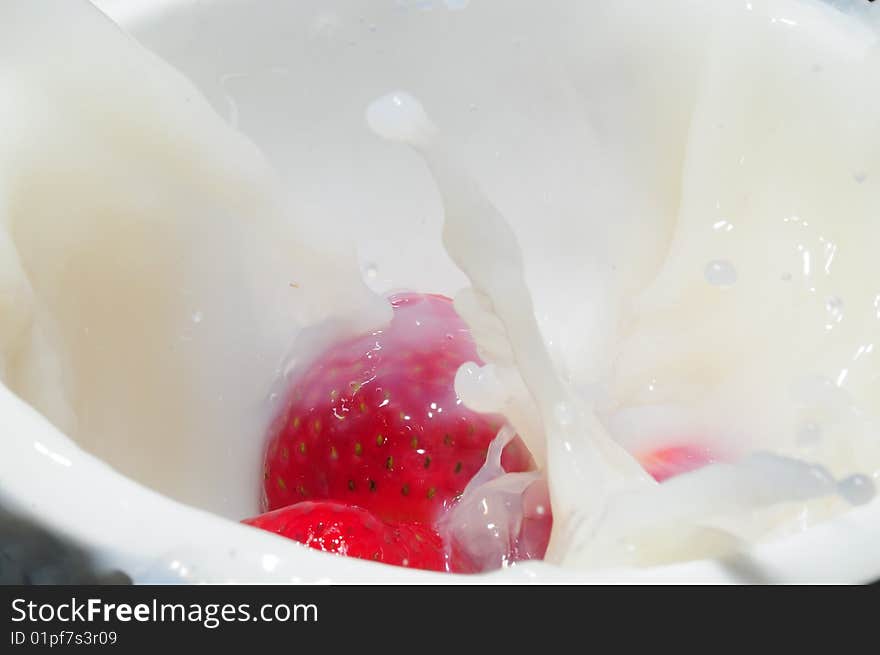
[[158, 539]]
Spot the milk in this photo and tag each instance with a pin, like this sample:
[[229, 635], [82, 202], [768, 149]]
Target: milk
[[684, 247], [598, 494], [154, 280]]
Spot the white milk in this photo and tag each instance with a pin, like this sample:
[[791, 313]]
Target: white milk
[[152, 279], [666, 214], [738, 357], [602, 499]]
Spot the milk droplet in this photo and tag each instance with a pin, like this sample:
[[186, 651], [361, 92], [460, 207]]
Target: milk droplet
[[371, 271], [720, 273], [834, 305], [479, 388], [722, 226], [197, 317], [857, 489], [398, 116]]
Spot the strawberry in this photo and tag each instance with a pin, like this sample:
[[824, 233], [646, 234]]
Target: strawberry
[[355, 532], [674, 460], [375, 421]]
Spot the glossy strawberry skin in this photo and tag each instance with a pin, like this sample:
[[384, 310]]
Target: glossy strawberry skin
[[375, 421], [355, 532]]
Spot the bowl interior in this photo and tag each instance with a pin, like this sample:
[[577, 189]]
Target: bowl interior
[[296, 77]]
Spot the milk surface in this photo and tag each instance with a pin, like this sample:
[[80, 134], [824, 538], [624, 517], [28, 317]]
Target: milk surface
[[153, 280], [663, 234]]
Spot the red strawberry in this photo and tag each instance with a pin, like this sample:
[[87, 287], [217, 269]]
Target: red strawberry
[[375, 421], [668, 462], [355, 532]]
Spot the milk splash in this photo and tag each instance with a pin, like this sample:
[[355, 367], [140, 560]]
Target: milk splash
[[141, 239], [153, 277], [602, 499]]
